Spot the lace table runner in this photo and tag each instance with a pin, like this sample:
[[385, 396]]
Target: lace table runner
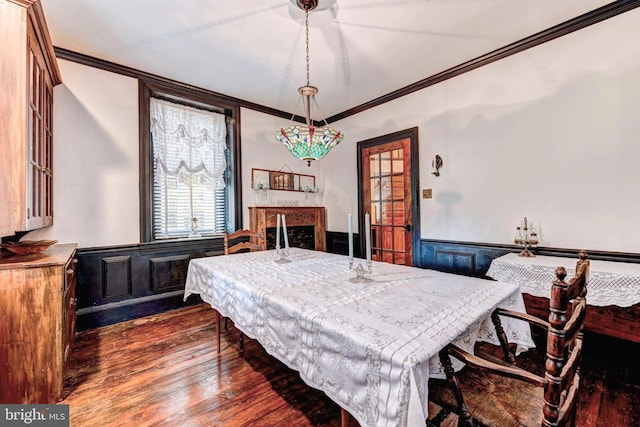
[[368, 346], [610, 283]]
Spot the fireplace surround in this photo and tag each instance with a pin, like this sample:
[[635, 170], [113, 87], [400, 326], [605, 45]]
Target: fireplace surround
[[299, 219]]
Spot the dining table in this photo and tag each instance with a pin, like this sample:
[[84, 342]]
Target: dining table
[[370, 346]]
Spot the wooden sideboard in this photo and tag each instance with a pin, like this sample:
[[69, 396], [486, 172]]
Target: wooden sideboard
[[263, 217], [37, 324]]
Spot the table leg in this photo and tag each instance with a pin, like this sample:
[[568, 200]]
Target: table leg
[[218, 331]]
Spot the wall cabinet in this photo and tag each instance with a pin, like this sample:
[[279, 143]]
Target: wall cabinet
[[28, 74], [37, 323]]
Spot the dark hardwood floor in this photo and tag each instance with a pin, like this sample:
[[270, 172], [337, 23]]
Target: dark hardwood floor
[[163, 370]]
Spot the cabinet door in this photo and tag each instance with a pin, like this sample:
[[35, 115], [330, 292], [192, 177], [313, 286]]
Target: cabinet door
[[69, 308], [39, 135]]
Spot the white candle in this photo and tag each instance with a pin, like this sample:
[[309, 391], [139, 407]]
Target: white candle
[[350, 240], [284, 230], [278, 232], [367, 230]]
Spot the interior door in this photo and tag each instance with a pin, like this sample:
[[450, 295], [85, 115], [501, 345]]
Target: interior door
[[388, 180]]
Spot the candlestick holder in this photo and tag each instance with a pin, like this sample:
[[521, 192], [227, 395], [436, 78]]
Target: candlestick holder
[[283, 255], [262, 194], [360, 272], [527, 238]]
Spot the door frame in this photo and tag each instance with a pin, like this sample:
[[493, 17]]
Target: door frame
[[412, 135]]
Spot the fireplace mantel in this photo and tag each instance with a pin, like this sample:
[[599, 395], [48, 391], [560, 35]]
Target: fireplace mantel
[[263, 217]]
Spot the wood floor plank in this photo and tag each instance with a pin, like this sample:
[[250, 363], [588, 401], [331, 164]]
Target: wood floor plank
[[163, 370]]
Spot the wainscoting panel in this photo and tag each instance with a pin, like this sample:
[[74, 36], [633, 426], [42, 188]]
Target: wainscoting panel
[[116, 278], [469, 259], [474, 259], [168, 273], [121, 283], [456, 262]]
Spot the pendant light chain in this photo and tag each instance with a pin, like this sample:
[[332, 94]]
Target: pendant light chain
[[306, 25]]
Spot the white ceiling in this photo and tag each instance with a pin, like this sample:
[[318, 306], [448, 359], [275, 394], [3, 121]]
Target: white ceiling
[[254, 49]]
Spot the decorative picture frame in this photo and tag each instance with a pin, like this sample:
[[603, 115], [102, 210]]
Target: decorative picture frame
[[281, 180]]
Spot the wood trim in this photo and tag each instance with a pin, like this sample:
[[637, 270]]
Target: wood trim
[[412, 135], [145, 168], [42, 30], [221, 99], [147, 87], [597, 15]]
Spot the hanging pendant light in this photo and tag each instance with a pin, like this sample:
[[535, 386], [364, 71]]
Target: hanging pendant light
[[307, 142]]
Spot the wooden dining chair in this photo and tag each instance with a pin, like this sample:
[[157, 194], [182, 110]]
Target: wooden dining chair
[[500, 393], [255, 242]]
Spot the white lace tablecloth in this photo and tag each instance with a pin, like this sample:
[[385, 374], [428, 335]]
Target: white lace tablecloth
[[610, 283], [367, 346]]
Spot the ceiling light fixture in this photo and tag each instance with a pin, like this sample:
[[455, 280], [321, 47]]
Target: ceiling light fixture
[[306, 142]]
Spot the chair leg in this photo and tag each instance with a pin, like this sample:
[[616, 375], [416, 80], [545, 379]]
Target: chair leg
[[502, 337], [439, 418], [465, 419]]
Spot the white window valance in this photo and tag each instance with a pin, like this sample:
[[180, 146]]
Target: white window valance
[[189, 143]]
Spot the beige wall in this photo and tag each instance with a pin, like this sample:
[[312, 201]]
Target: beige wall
[[550, 133]]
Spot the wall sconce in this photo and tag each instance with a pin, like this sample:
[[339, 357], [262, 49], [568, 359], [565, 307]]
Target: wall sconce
[[436, 164]]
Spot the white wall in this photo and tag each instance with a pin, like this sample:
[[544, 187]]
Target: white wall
[[95, 159], [550, 133]]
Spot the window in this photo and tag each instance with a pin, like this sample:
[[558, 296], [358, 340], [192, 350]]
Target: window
[[188, 153], [188, 147]]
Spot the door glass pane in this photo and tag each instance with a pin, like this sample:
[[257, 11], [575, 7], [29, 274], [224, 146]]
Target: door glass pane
[[385, 163], [374, 240], [397, 184], [375, 213], [398, 213], [398, 162], [385, 188], [387, 213], [375, 188], [374, 165]]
